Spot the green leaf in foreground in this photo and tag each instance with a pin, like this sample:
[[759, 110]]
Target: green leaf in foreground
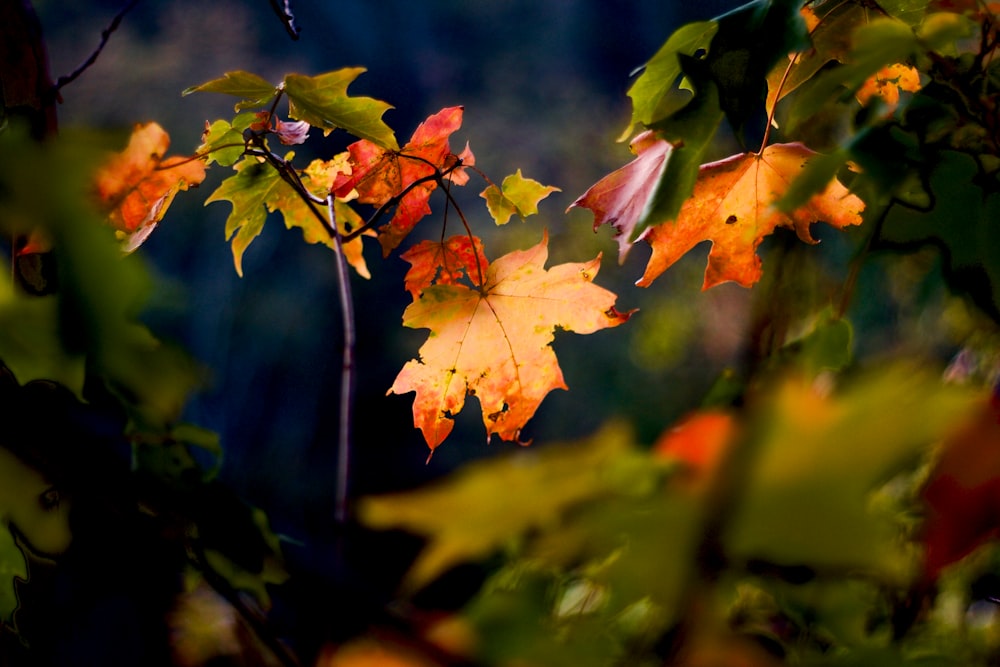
[[322, 101], [483, 506], [518, 195], [819, 460]]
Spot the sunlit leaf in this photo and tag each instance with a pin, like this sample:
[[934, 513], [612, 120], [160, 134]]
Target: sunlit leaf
[[406, 176], [223, 141], [620, 198], [494, 342], [444, 263]]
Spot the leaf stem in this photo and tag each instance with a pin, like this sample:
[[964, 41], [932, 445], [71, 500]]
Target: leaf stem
[[777, 96]]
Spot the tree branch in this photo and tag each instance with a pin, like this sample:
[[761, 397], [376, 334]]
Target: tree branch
[[105, 36]]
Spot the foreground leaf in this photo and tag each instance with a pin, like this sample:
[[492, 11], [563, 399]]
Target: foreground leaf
[[494, 342], [487, 503], [732, 206], [136, 186], [819, 458]]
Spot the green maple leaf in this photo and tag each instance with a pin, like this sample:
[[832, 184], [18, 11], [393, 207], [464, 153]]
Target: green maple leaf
[[223, 141], [517, 194], [322, 101], [252, 89], [258, 189]]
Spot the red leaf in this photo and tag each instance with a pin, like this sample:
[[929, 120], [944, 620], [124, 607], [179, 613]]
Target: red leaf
[[379, 175]]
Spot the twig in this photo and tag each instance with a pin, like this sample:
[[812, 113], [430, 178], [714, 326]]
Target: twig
[[105, 36], [283, 8]]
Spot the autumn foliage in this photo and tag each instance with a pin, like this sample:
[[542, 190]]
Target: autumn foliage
[[831, 496]]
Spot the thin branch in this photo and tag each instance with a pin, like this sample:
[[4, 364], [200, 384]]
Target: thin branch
[[105, 36], [283, 8], [437, 176], [342, 490]]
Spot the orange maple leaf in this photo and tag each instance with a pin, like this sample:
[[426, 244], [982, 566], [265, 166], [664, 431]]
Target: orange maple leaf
[[494, 342], [733, 207], [135, 187], [378, 175], [444, 263]]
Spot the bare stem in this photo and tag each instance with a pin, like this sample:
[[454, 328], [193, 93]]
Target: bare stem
[[342, 491]]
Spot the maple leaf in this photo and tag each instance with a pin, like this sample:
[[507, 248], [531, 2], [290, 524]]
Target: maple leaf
[[223, 142], [733, 207], [135, 187], [516, 194], [444, 263], [380, 175], [253, 90], [620, 198], [493, 342]]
